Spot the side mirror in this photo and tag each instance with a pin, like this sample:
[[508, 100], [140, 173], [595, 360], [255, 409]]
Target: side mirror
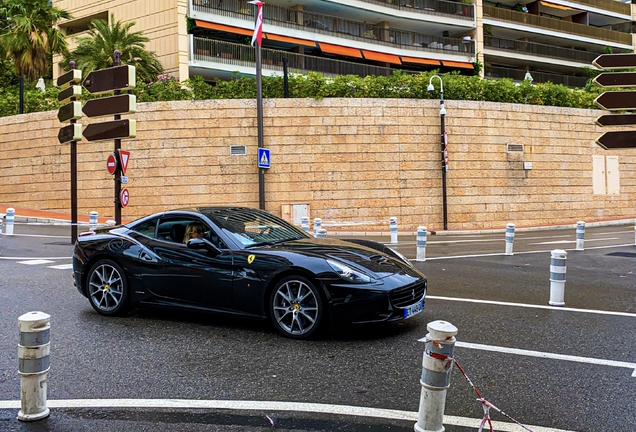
[[203, 244]]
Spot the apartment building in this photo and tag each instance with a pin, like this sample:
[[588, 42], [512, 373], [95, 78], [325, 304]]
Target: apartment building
[[552, 41]]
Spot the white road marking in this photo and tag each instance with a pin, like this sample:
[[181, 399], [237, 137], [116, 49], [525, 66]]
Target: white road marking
[[40, 235], [62, 266], [574, 241], [35, 262], [272, 406], [533, 306], [589, 360], [30, 258]]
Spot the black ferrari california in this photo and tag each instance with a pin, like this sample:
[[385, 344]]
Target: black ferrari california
[[245, 262]]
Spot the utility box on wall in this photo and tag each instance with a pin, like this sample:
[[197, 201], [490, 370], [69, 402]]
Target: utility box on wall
[[294, 212]]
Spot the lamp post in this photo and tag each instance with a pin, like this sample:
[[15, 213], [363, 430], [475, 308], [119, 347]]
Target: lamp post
[[444, 141]]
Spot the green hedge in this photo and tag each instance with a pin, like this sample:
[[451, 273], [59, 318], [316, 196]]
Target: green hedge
[[315, 85]]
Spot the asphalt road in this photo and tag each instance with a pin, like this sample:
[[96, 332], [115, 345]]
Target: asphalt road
[[160, 355]]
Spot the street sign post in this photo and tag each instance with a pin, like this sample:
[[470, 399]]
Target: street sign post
[[616, 79], [71, 132], [617, 140], [106, 80], [115, 129], [616, 120], [70, 111], [65, 95], [124, 198], [124, 157], [74, 76], [617, 100], [615, 61], [111, 164], [120, 104], [264, 160]]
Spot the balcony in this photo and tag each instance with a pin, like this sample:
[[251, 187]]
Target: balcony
[[540, 50], [557, 25], [329, 25], [612, 6], [429, 7], [538, 77], [243, 55]]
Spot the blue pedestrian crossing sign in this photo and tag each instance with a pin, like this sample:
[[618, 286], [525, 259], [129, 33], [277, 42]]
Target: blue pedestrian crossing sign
[[263, 158]]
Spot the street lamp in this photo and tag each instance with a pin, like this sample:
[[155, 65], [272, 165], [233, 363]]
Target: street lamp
[[444, 141]]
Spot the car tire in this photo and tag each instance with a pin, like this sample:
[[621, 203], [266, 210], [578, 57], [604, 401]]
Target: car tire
[[296, 307], [107, 288]]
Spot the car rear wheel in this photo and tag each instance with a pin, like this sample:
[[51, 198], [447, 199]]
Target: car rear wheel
[[107, 288], [296, 307]]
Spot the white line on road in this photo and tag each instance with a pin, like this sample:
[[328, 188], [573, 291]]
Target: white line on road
[[62, 266], [271, 406], [589, 360], [41, 235], [30, 258], [35, 262], [533, 306], [574, 241]]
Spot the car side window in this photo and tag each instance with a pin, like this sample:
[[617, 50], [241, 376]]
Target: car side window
[[175, 230], [147, 228]]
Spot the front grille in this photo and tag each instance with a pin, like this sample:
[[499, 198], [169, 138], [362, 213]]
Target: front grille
[[408, 295]]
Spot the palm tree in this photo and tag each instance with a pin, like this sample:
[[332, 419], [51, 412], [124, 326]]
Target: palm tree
[[95, 51], [27, 35]]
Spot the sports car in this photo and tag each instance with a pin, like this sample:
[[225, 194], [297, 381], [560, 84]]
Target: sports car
[[245, 262]]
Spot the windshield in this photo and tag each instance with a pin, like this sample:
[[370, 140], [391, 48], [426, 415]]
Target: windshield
[[253, 227]]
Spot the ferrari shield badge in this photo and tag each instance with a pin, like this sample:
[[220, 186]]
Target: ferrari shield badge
[[250, 259]]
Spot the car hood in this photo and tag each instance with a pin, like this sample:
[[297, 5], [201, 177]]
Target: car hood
[[371, 260]]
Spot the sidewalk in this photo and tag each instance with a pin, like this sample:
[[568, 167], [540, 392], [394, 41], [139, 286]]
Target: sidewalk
[[23, 214]]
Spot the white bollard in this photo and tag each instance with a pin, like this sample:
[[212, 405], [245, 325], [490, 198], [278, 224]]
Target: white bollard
[[393, 229], [580, 235], [33, 355], [510, 238], [421, 244], [111, 222], [437, 366], [304, 223], [634, 231], [92, 220], [558, 269], [8, 230], [0, 232], [317, 226], [322, 233]]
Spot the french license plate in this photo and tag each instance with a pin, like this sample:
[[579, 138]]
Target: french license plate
[[414, 309]]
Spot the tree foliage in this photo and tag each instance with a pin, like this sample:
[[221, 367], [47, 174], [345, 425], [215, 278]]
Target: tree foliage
[[95, 51]]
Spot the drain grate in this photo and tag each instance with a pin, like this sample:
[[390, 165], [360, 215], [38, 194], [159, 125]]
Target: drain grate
[[623, 254]]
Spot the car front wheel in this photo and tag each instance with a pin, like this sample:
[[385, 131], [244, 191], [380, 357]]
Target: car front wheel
[[107, 288], [296, 307]]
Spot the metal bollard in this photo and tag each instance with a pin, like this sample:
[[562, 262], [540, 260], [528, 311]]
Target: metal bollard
[[8, 230], [580, 235], [393, 229], [421, 244], [510, 238], [437, 366], [92, 220], [322, 233], [304, 223], [317, 226], [33, 355], [557, 277]]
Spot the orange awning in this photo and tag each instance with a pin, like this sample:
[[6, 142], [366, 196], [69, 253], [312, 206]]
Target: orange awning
[[381, 57], [555, 6], [420, 61], [290, 40], [340, 50], [463, 65], [225, 28]]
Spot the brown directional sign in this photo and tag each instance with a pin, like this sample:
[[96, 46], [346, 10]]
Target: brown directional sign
[[72, 110], [66, 94], [616, 120], [617, 100], [72, 132], [71, 77], [617, 140], [116, 129], [120, 104], [616, 79], [106, 80], [615, 61]]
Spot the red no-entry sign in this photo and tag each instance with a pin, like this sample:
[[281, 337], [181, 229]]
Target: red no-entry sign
[[111, 164], [124, 198]]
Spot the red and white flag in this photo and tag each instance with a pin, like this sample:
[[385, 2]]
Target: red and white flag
[[258, 26]]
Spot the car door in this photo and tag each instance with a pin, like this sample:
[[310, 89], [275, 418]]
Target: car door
[[179, 274]]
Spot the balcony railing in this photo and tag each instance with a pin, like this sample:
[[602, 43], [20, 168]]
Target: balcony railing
[[537, 77], [540, 50], [329, 25], [244, 55], [429, 7], [613, 6], [556, 24]]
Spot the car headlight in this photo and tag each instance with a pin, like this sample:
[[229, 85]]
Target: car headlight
[[349, 274], [402, 257]]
